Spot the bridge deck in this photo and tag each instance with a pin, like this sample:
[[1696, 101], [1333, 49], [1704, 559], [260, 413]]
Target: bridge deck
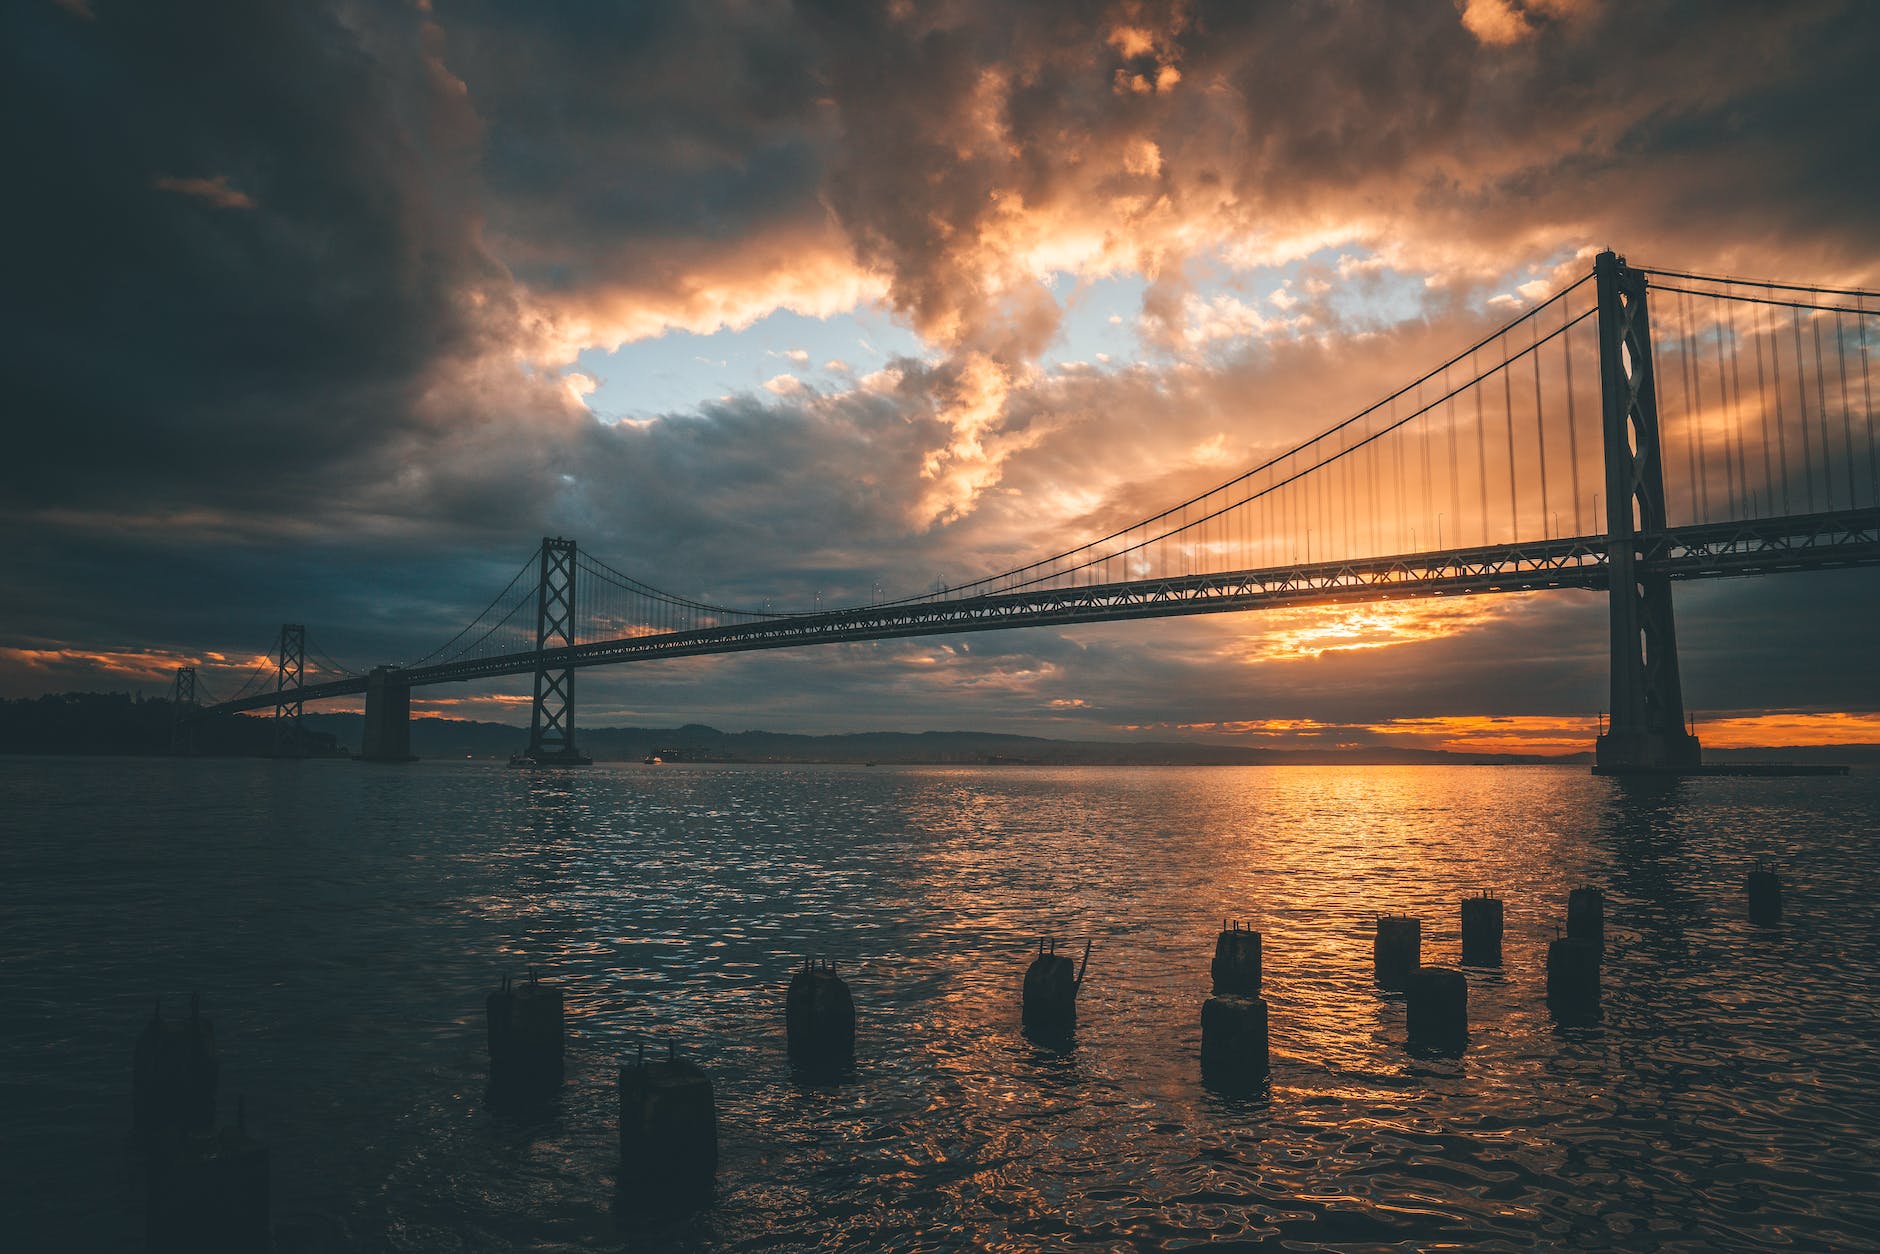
[[1799, 542]]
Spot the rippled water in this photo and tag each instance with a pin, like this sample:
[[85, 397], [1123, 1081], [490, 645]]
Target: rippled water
[[344, 922]]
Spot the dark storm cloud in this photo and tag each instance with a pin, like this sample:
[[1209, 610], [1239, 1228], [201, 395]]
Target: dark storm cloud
[[171, 349], [290, 285]]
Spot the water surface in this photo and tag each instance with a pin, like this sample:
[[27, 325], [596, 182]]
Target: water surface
[[344, 922]]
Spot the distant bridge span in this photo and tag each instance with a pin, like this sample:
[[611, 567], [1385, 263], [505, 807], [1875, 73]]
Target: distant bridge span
[[1811, 542]]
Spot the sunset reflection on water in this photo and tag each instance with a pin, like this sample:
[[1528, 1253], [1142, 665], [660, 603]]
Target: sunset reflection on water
[[1714, 1104]]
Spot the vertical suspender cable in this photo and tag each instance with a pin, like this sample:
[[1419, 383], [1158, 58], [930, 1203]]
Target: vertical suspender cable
[[1455, 484], [1697, 431], [1801, 399], [1736, 408], [1866, 392], [1396, 447], [1732, 501], [1540, 421], [1762, 412], [1847, 420], [1821, 415], [1782, 419], [1573, 425], [1507, 397], [1481, 446], [1685, 354], [1429, 499]]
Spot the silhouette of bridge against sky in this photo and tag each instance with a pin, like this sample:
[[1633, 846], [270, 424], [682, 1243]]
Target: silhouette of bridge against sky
[[1637, 428]]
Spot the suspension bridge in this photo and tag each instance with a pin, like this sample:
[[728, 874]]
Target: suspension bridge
[[1638, 428]]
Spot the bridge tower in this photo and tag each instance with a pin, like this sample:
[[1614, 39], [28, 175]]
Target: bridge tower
[[291, 665], [1645, 731], [551, 724], [183, 711]]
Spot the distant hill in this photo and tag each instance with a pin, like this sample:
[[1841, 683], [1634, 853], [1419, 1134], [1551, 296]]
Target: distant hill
[[694, 742], [118, 723]]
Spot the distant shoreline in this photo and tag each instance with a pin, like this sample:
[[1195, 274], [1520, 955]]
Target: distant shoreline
[[97, 724]]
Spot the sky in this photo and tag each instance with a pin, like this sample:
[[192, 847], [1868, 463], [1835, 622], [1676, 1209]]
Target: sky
[[327, 312]]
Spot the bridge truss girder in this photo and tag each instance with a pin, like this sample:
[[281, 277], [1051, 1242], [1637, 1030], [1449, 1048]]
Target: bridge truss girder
[[1830, 540]]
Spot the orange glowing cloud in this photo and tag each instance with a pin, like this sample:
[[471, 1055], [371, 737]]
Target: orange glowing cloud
[[1801, 728], [213, 191], [1543, 735], [142, 666], [809, 272], [1292, 634]]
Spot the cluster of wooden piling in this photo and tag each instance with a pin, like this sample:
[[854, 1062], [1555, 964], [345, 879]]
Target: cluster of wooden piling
[[206, 1188]]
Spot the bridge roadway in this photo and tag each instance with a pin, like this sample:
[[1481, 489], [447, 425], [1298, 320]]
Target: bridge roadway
[[1764, 546]]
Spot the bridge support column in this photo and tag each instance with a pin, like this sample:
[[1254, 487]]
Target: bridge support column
[[291, 665], [1645, 732], [551, 724], [388, 717]]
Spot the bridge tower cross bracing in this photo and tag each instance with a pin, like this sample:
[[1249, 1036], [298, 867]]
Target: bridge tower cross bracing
[[1645, 730], [183, 710], [290, 668], [551, 721]]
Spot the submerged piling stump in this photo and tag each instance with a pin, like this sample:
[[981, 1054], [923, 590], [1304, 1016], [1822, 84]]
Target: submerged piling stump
[[1397, 950], [1236, 968], [525, 1039], [1436, 1010], [1233, 1039], [1573, 979], [174, 1073], [819, 1016], [208, 1194], [1586, 916], [1481, 931], [1051, 984], [668, 1134], [1765, 895]]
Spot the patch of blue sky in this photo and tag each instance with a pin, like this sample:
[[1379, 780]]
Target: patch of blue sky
[[680, 370], [1098, 323], [1359, 290]]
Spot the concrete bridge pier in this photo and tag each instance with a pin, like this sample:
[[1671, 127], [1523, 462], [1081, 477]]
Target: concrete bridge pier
[[388, 717]]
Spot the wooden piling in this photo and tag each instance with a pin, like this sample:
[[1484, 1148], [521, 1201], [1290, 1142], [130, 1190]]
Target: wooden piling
[[1396, 950], [525, 1029], [1236, 967], [668, 1134], [1764, 887], [1234, 1039], [1573, 979], [174, 1074], [1436, 1010], [819, 1017], [1481, 931], [1050, 993], [208, 1194], [1586, 916]]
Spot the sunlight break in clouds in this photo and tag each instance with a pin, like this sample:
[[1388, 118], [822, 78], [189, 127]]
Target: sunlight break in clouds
[[1283, 634]]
